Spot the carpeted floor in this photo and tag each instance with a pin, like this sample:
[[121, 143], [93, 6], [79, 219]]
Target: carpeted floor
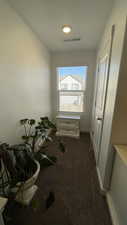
[[77, 195]]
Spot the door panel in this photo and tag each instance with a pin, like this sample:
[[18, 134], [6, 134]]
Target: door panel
[[101, 91]]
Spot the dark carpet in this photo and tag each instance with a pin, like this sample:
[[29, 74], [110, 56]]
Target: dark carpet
[[77, 195]]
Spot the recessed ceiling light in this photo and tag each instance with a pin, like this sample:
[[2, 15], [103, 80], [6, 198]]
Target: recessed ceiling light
[[66, 29]]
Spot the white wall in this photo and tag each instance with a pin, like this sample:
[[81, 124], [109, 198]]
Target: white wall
[[118, 192], [119, 127], [118, 17], [24, 74], [78, 58]]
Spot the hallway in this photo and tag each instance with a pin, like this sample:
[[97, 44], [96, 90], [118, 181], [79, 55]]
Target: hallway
[[77, 195]]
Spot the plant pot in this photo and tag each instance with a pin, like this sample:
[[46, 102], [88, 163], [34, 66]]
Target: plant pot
[[27, 190]]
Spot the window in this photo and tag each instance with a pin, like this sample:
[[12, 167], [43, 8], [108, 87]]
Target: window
[[64, 86], [75, 87], [71, 83]]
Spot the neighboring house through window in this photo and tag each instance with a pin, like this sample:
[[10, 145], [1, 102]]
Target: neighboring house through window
[[76, 86], [71, 88], [64, 86]]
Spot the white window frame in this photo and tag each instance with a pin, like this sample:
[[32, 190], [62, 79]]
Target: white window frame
[[58, 93]]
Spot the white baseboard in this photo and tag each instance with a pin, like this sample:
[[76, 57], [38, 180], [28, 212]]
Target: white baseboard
[[103, 191], [112, 210], [110, 203]]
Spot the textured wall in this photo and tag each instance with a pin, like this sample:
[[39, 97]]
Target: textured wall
[[24, 74]]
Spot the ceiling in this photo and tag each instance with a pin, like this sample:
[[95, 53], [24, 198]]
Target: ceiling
[[46, 17]]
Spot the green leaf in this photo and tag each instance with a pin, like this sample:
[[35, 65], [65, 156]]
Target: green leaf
[[44, 118], [38, 127], [32, 122], [23, 121], [51, 125], [42, 130], [45, 160], [26, 138]]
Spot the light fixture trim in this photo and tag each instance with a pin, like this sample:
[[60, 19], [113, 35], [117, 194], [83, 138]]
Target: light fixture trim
[[66, 29]]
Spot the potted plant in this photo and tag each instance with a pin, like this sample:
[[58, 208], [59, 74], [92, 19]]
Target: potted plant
[[36, 133], [19, 171], [21, 163]]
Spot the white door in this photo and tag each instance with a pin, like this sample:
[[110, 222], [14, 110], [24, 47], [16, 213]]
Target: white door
[[101, 90]]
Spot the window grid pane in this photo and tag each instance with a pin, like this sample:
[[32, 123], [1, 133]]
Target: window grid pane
[[71, 101]]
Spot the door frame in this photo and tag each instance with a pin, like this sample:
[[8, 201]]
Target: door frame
[[97, 80]]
